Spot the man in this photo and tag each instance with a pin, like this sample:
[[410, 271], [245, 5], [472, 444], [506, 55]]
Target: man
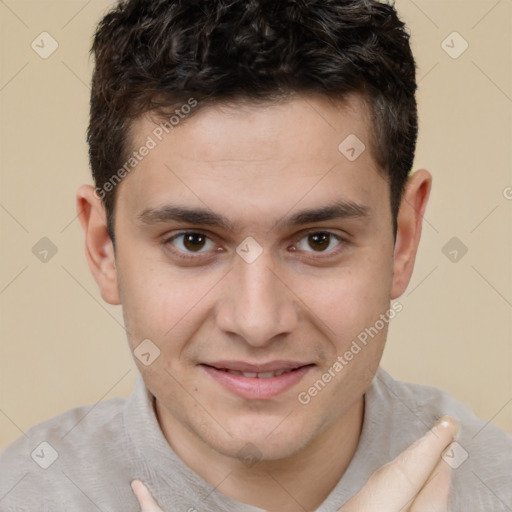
[[254, 215]]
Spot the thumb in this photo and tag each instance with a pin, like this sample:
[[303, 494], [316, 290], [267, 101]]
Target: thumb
[[395, 486]]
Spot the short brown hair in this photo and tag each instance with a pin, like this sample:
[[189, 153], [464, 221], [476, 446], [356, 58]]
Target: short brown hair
[[154, 55]]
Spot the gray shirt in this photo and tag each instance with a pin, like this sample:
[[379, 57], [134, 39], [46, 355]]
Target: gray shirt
[[90, 455]]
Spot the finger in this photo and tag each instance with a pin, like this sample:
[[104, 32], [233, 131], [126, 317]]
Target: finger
[[434, 495], [409, 472], [146, 501], [394, 486]]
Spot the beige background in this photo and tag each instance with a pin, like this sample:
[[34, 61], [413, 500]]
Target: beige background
[[61, 346]]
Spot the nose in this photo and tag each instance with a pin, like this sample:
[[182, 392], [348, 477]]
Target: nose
[[257, 305]]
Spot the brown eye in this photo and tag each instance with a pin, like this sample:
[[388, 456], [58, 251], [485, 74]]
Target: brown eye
[[192, 242], [319, 241]]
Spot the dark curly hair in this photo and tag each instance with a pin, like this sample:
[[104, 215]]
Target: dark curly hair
[[154, 55]]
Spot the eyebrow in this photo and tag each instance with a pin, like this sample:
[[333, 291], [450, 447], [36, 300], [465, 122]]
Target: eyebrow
[[202, 216]]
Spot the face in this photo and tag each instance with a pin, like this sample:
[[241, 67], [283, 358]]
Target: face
[[253, 253]]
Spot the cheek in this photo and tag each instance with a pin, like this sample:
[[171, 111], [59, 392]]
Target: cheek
[[349, 298], [161, 303]]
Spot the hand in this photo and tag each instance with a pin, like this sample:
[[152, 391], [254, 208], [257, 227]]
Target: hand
[[147, 503], [418, 480]]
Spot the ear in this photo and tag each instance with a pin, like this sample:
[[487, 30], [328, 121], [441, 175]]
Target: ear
[[410, 219], [99, 249]]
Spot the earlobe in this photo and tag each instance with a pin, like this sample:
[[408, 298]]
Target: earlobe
[[410, 219], [99, 249]]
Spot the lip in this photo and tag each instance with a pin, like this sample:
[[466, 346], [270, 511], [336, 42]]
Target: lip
[[271, 366], [255, 388]]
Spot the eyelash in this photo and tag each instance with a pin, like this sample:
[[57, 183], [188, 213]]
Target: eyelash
[[190, 256]]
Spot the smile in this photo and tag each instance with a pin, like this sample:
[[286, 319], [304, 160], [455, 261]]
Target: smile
[[253, 382], [255, 375]]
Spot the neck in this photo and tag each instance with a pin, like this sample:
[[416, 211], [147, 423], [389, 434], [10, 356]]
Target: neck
[[300, 482]]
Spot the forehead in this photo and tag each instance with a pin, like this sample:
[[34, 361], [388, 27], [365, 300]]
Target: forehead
[[257, 155], [299, 128]]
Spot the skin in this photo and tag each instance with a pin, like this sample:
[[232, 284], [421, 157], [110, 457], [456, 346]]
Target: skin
[[258, 166], [418, 480]]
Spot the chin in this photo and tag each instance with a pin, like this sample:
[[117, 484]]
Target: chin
[[266, 438]]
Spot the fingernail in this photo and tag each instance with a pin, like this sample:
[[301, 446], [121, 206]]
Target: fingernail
[[448, 422]]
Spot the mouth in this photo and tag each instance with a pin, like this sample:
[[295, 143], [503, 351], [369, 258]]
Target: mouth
[[257, 382], [257, 375]]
